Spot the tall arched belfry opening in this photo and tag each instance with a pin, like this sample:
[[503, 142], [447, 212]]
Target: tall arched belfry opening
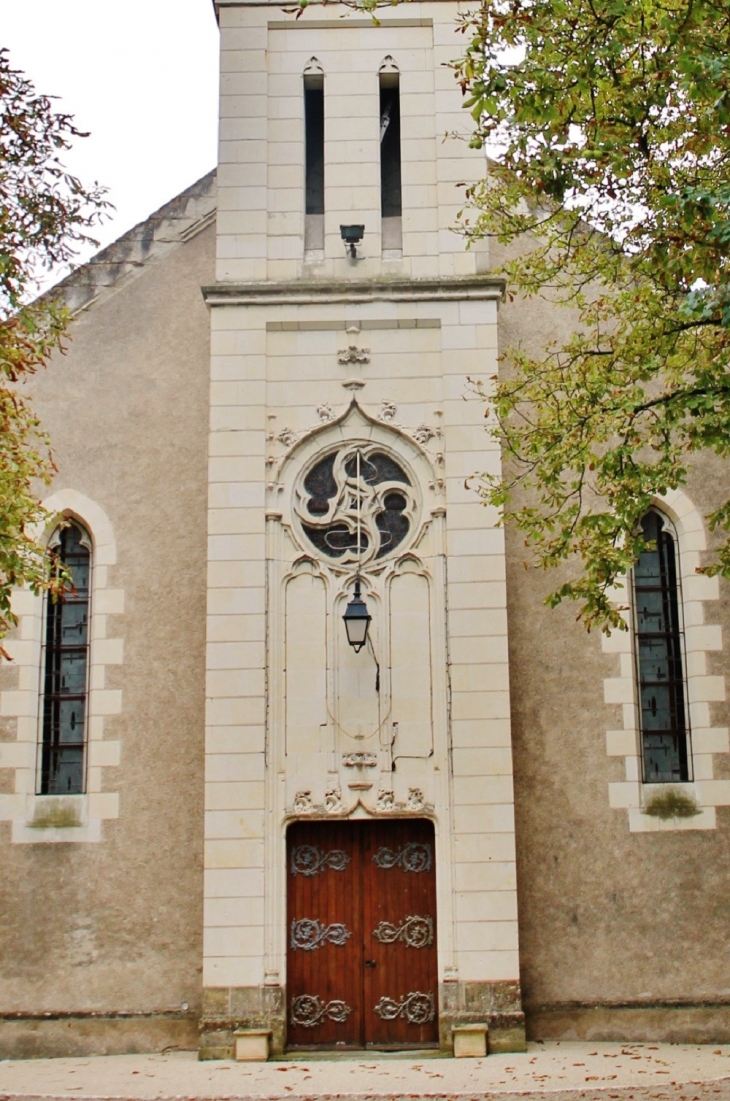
[[364, 835]]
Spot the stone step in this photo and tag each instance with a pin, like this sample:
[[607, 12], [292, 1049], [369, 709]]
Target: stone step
[[567, 1071]]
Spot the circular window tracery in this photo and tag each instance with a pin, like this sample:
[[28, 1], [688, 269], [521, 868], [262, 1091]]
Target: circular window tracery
[[362, 480]]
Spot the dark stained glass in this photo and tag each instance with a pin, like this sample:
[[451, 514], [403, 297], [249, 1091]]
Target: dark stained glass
[[321, 486], [376, 468], [392, 524], [332, 494], [659, 658], [65, 674]]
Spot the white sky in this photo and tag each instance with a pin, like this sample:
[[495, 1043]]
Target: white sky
[[141, 75]]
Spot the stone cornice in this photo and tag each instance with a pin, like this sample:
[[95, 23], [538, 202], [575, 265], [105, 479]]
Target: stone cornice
[[302, 292]]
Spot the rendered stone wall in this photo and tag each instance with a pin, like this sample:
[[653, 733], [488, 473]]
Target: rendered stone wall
[[101, 935], [622, 933]]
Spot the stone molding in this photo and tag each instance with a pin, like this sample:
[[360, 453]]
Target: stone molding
[[482, 288]]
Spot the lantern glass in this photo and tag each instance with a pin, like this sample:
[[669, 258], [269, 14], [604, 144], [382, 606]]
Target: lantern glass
[[357, 620]]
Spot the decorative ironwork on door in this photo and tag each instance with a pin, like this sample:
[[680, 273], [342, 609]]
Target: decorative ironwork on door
[[415, 932], [308, 1010], [309, 860], [413, 858], [309, 934], [416, 1008]]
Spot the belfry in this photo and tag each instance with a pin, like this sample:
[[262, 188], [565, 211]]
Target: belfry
[[367, 843]]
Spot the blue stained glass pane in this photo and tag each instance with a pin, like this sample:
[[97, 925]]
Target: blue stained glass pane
[[66, 776], [73, 623], [72, 673], [656, 708], [653, 660], [663, 759]]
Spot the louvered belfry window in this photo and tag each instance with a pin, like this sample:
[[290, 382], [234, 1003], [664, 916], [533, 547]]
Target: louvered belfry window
[[659, 645], [66, 671]]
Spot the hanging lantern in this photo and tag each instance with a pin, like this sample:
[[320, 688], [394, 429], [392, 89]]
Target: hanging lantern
[[357, 620]]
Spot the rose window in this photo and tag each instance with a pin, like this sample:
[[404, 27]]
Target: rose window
[[356, 489]]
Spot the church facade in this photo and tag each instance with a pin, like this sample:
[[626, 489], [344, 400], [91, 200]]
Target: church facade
[[305, 752]]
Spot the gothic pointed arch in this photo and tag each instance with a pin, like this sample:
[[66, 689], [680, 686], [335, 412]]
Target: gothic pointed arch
[[355, 490]]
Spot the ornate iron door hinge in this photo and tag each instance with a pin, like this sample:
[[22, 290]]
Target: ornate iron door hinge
[[415, 932], [416, 1008], [413, 858], [309, 860], [308, 1010], [309, 934]]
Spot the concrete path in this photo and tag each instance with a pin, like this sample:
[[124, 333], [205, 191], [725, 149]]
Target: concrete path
[[570, 1071]]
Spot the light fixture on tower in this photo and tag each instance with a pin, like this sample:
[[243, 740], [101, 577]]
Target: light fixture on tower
[[357, 618]]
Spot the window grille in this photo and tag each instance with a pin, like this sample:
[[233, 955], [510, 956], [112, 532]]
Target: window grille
[[659, 658], [65, 670]]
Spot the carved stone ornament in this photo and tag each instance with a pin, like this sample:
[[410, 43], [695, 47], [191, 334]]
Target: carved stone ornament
[[353, 354], [387, 411], [333, 800], [414, 932], [303, 802], [424, 433], [331, 804], [359, 760], [287, 436], [308, 860], [415, 857], [308, 1010], [416, 1008], [308, 934], [415, 802], [325, 412]]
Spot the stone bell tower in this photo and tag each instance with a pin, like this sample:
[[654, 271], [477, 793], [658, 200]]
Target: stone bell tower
[[346, 320]]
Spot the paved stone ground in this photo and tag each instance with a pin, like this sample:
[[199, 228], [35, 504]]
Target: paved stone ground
[[570, 1071]]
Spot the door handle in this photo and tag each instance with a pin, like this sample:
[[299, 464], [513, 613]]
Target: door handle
[[370, 963]]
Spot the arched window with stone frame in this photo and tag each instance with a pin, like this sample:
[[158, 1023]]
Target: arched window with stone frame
[[659, 655], [65, 667]]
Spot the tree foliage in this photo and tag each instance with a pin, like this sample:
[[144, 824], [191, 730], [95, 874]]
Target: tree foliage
[[45, 213], [613, 127]]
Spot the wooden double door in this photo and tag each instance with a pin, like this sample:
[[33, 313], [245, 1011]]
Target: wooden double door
[[361, 930]]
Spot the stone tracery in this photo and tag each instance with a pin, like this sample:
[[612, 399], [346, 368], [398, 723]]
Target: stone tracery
[[341, 500]]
